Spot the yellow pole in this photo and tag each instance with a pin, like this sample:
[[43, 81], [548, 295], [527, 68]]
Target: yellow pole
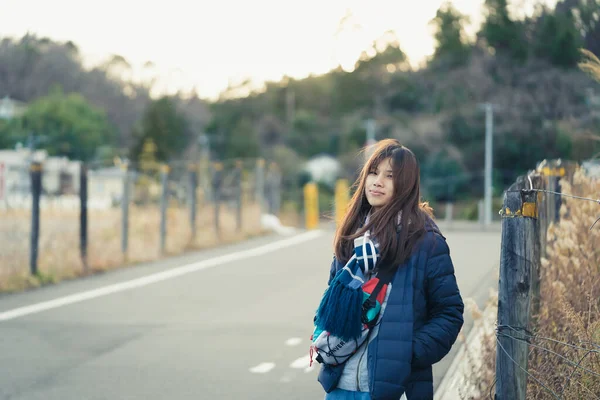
[[311, 205], [342, 195]]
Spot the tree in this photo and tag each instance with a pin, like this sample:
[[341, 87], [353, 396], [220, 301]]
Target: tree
[[586, 14], [308, 137], [557, 38], [503, 34], [445, 176], [231, 130], [165, 126], [452, 47], [368, 85], [70, 125], [6, 139], [30, 66]]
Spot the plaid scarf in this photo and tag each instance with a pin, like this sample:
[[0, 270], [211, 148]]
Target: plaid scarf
[[340, 310]]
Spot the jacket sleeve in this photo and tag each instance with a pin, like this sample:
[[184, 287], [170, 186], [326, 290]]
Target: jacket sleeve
[[445, 309]]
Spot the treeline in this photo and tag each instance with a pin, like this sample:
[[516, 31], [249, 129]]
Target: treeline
[[527, 67], [91, 114]]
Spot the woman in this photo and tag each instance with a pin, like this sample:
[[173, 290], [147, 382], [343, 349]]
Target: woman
[[387, 232]]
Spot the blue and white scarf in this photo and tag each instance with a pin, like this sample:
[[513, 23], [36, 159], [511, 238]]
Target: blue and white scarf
[[340, 310]]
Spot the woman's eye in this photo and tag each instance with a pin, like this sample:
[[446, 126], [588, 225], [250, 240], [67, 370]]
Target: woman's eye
[[390, 176]]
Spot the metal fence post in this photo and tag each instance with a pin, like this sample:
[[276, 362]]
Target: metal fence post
[[217, 178], [193, 187], [260, 184], [83, 215], [238, 194], [164, 198], [36, 192], [125, 210]]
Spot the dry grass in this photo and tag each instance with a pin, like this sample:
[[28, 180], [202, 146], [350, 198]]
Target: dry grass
[[481, 356], [59, 256], [569, 307], [570, 293], [590, 64]]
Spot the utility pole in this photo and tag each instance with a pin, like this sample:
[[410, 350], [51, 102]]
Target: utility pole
[[489, 137]]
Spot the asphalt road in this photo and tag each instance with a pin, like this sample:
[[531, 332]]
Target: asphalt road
[[228, 323]]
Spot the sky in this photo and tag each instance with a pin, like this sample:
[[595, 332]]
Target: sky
[[208, 45]]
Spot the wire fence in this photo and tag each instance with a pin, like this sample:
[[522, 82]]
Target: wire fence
[[102, 215], [533, 209]]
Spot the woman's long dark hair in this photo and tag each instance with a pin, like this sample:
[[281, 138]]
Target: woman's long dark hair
[[395, 246]]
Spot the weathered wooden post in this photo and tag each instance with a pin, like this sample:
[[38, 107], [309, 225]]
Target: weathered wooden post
[[536, 182], [552, 171], [517, 257]]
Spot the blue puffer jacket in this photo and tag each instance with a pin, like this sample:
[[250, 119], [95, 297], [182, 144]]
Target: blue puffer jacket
[[423, 317]]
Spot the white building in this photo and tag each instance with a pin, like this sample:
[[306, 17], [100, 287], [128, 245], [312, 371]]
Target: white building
[[60, 181], [10, 108], [324, 169], [105, 186], [60, 176]]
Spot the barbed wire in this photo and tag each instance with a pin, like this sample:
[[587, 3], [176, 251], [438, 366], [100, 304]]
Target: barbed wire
[[521, 329], [576, 365], [556, 193], [559, 194], [527, 372], [528, 336], [492, 388]]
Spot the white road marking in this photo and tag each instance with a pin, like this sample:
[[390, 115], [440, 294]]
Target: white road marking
[[295, 341], [301, 362], [158, 277], [262, 368]]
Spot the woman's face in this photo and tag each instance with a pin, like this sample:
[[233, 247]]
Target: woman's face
[[379, 187]]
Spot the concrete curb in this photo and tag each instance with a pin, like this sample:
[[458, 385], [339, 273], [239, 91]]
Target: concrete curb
[[454, 377]]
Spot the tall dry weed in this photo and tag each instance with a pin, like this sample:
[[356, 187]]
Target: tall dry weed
[[480, 355], [570, 300], [569, 309]]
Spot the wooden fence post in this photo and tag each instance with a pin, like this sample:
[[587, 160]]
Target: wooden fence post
[[552, 171], [517, 257], [537, 182]]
